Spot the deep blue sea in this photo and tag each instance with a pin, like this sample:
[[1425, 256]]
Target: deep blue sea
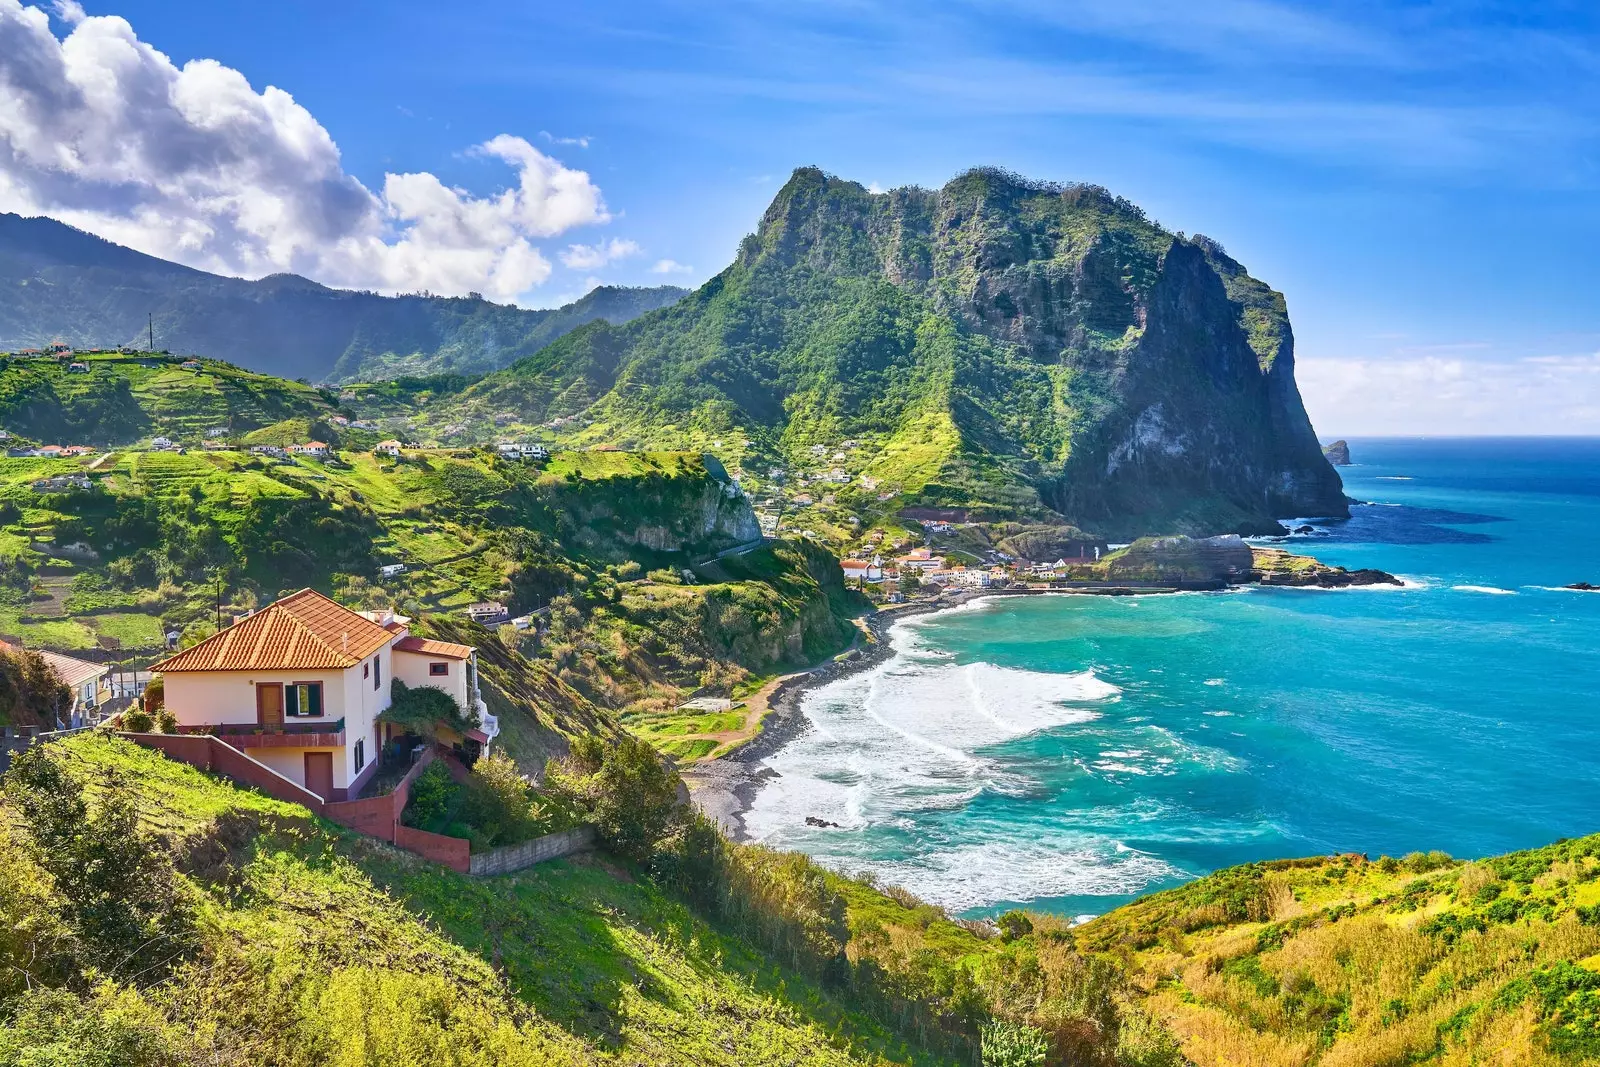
[[1071, 752]]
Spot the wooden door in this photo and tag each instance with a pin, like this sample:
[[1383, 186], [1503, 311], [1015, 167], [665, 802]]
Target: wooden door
[[319, 773], [269, 703]]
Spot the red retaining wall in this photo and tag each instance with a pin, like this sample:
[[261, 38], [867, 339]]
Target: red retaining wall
[[210, 754], [453, 852], [375, 816]]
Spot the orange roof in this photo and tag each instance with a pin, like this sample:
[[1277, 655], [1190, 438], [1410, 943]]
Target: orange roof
[[428, 647], [303, 631]]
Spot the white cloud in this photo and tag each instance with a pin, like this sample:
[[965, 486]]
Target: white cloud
[[68, 11], [1437, 394], [576, 142], [103, 131], [670, 266], [593, 257]]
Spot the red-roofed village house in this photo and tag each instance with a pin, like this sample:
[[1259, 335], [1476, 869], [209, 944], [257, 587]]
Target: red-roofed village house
[[299, 685]]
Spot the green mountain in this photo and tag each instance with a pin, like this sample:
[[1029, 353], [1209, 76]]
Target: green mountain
[[61, 284], [1013, 347]]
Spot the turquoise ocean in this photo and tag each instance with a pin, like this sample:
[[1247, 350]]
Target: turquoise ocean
[[1071, 752]]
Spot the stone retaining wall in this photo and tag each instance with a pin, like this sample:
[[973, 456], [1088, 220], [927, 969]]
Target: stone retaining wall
[[549, 847]]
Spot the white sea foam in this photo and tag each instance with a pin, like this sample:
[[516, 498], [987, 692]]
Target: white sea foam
[[1491, 589], [1216, 681], [1560, 589], [1044, 864]]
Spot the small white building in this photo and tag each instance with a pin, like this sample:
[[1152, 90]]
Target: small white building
[[388, 448], [389, 570]]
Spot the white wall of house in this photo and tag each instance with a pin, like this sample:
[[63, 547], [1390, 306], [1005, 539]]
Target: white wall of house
[[413, 668], [228, 698]]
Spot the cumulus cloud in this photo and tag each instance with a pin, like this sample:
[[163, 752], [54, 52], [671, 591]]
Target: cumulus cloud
[[593, 257], [190, 163], [670, 266], [1437, 394]]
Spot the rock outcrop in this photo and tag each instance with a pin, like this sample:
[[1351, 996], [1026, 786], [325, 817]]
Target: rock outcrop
[[1274, 566], [1338, 453]]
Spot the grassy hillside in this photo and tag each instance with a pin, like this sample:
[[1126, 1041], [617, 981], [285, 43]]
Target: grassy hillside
[[304, 944], [606, 546], [287, 940], [124, 398], [1344, 961]]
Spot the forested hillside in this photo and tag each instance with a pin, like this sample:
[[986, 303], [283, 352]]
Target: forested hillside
[[61, 284]]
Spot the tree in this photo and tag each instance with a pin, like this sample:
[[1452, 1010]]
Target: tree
[[422, 710], [30, 692], [631, 795], [122, 901]]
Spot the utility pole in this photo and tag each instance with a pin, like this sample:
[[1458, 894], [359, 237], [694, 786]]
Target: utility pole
[[219, 601], [151, 322]]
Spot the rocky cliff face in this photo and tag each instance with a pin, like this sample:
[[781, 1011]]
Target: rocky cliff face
[[696, 511], [1021, 347]]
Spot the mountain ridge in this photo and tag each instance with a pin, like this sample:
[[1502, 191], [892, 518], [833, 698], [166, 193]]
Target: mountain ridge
[[65, 284], [1009, 346]]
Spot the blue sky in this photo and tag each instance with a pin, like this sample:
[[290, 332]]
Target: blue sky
[[1421, 179]]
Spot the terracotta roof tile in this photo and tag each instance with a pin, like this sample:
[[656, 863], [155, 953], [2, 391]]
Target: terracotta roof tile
[[303, 631], [428, 647]]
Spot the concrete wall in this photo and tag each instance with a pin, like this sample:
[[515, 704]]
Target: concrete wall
[[548, 847]]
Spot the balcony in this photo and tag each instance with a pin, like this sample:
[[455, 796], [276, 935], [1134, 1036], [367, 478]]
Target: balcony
[[319, 733]]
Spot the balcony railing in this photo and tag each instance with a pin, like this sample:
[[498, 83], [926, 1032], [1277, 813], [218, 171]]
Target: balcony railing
[[317, 733]]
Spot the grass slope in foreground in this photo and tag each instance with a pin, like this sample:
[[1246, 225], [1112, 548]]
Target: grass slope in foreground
[[310, 945], [316, 946]]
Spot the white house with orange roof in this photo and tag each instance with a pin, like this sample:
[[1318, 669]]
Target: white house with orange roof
[[298, 687]]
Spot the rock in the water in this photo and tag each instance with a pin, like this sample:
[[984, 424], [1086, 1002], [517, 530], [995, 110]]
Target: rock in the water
[[1338, 453], [1181, 559], [812, 820], [1274, 566], [1584, 587]]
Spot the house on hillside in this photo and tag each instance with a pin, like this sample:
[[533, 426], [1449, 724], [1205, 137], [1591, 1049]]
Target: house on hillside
[[78, 450], [160, 443], [298, 687], [189, 364], [78, 675], [388, 448], [77, 368], [488, 613], [314, 449], [389, 570], [50, 451], [864, 570]]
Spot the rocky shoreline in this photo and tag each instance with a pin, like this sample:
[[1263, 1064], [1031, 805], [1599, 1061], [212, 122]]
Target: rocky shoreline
[[725, 788]]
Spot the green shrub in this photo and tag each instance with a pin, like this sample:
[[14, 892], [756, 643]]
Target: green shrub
[[1014, 924], [1013, 1045], [433, 794], [137, 720], [120, 896], [166, 722], [422, 709], [630, 794]]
